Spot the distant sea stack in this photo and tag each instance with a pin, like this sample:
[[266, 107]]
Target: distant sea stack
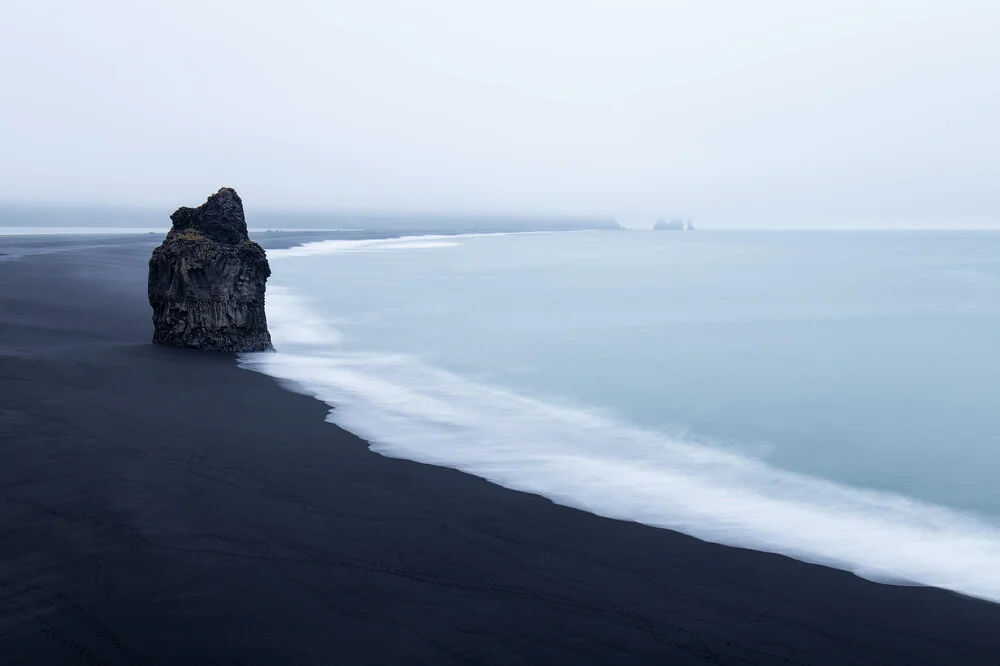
[[207, 280]]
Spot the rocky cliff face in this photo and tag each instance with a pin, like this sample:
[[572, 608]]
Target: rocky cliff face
[[207, 279]]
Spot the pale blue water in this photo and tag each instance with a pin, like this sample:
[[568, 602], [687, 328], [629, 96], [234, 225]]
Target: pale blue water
[[834, 396]]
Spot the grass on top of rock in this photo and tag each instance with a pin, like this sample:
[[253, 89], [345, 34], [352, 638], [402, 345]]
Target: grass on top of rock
[[186, 234]]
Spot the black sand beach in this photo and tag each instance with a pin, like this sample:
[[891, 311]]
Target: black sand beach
[[162, 506]]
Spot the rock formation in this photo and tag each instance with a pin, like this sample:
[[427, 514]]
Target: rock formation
[[207, 279]]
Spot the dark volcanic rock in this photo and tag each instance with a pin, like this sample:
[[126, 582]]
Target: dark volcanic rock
[[207, 280]]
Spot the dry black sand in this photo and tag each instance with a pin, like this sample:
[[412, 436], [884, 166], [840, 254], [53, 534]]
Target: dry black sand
[[161, 506]]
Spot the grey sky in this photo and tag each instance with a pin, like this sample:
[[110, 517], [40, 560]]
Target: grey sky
[[796, 112]]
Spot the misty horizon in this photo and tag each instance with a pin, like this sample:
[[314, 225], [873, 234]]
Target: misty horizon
[[27, 214], [775, 116]]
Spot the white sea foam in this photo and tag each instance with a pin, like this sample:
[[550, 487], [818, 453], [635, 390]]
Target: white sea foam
[[380, 244], [596, 462], [291, 321], [579, 458]]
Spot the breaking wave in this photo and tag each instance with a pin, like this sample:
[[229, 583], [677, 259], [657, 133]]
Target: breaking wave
[[585, 459]]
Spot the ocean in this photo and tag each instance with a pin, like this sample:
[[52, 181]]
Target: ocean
[[834, 396]]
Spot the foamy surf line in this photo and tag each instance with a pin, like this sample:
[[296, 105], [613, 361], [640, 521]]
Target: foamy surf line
[[586, 460], [421, 242], [406, 409]]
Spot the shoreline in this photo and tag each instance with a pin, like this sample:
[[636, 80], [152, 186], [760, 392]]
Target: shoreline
[[167, 506]]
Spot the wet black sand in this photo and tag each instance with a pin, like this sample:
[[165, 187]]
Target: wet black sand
[[161, 506]]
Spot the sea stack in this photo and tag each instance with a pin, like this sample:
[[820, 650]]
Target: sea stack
[[207, 279]]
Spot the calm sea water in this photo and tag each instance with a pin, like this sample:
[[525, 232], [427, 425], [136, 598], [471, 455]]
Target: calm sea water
[[833, 396]]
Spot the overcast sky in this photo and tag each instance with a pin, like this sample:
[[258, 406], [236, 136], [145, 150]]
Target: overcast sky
[[804, 113]]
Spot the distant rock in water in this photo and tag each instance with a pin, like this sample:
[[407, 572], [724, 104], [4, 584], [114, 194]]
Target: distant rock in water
[[672, 225], [207, 279]]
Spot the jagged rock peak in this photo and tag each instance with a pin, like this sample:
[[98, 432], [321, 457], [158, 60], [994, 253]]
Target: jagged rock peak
[[207, 280], [220, 218]]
